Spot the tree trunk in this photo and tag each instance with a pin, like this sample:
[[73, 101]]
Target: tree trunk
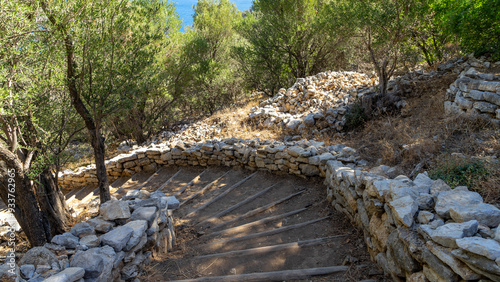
[[138, 135], [21, 199], [138, 121], [52, 203], [102, 176], [383, 82], [91, 123]]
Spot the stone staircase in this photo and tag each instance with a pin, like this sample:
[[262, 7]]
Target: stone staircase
[[237, 225]]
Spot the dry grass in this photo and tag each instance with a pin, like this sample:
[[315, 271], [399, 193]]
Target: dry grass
[[490, 188], [184, 236], [416, 139], [234, 123], [83, 161]]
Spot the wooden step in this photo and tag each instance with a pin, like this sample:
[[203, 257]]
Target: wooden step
[[245, 227], [149, 179], [190, 183], [278, 230], [257, 210], [73, 197], [71, 194], [203, 190], [245, 201], [269, 249], [168, 181], [220, 196], [282, 275], [133, 183]]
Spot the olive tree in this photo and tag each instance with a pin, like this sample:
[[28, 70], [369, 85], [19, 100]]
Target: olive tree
[[36, 122], [290, 39], [107, 47]]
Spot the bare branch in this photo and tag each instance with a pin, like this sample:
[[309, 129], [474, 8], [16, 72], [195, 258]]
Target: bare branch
[[27, 162]]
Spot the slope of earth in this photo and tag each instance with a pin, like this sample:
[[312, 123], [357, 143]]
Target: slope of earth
[[421, 138], [248, 223]]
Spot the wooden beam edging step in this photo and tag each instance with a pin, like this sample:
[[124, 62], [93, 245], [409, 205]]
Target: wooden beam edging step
[[204, 189], [240, 228], [190, 183], [218, 197], [266, 233], [281, 275], [169, 180], [71, 194], [273, 248], [258, 210], [149, 179], [74, 195], [230, 209], [90, 195]]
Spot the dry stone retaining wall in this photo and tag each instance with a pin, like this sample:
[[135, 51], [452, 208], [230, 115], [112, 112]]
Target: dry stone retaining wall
[[302, 157], [419, 229], [475, 94], [414, 229]]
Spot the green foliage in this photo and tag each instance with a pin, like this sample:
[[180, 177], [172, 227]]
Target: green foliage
[[475, 24], [386, 27], [39, 165], [202, 72], [459, 172], [117, 43], [141, 102], [136, 72], [355, 117], [425, 34], [36, 115], [288, 40]]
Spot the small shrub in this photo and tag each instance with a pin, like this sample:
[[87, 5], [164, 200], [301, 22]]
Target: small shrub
[[459, 172], [355, 117]]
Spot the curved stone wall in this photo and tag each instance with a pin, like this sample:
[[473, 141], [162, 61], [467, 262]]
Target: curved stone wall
[[414, 229]]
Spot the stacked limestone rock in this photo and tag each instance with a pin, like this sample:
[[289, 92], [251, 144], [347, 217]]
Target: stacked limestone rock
[[419, 230], [85, 174], [318, 101], [111, 247], [296, 157], [198, 131], [403, 84], [475, 94]]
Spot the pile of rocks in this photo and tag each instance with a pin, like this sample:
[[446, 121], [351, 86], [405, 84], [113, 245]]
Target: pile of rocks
[[318, 101], [197, 132], [419, 230], [111, 247], [475, 94]]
